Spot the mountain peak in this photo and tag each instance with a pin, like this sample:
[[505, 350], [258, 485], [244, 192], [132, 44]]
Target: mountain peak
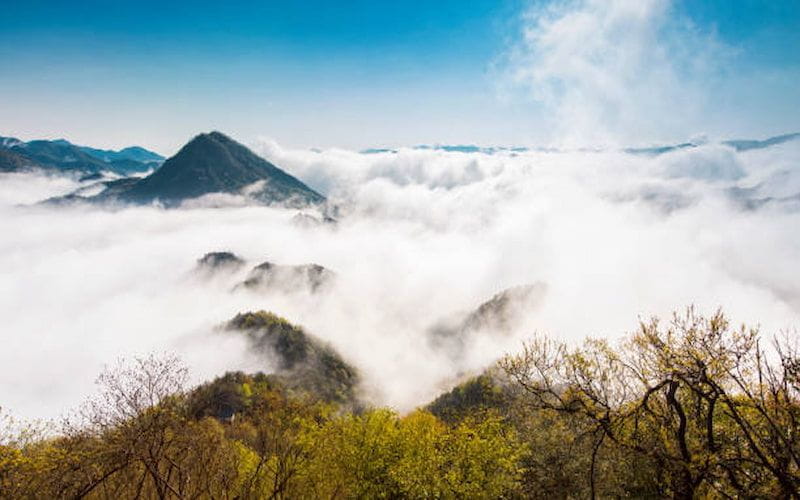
[[204, 139], [214, 163], [206, 142], [208, 137], [217, 135]]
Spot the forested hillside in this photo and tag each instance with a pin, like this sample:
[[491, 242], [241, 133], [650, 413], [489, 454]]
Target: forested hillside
[[691, 408]]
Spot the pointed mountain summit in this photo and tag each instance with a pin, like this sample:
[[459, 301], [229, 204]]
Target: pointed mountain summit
[[215, 163]]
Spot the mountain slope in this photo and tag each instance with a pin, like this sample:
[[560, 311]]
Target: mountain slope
[[498, 316], [58, 155], [14, 162], [215, 163], [301, 361]]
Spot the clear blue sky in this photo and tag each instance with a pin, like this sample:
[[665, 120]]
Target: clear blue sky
[[345, 73]]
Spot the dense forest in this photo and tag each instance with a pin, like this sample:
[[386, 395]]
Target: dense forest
[[692, 407]]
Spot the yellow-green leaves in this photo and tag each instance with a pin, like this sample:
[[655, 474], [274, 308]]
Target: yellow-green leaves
[[380, 455]]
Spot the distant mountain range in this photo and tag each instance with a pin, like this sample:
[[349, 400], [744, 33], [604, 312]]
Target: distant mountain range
[[214, 163], [132, 153], [737, 144], [746, 144], [62, 155], [209, 163]]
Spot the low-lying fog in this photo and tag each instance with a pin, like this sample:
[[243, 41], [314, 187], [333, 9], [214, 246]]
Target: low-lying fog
[[422, 235]]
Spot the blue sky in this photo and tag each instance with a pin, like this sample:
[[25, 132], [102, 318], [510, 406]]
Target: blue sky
[[345, 73]]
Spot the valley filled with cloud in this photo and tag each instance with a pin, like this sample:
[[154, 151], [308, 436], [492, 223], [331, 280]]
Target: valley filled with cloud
[[419, 238]]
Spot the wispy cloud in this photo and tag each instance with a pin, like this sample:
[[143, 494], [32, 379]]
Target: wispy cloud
[[616, 71]]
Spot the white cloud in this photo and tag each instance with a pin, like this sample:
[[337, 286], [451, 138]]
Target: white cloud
[[616, 71], [425, 235]]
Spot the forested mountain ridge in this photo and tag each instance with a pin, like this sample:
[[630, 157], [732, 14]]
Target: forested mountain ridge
[[692, 408]]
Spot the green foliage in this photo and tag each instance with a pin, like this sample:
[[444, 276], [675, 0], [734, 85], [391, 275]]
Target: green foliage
[[379, 455], [262, 319], [478, 394], [247, 436], [690, 409], [698, 404], [231, 394]]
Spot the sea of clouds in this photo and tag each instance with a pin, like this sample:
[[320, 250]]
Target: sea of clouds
[[422, 235]]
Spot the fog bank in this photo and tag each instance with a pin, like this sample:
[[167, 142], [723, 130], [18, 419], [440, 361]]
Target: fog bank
[[422, 236]]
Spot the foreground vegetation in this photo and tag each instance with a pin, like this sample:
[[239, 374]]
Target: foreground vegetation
[[689, 409]]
